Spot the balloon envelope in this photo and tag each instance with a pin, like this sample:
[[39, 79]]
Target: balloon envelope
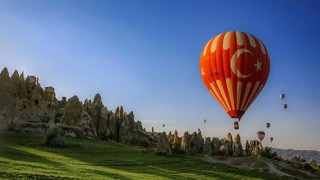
[[282, 96], [285, 106], [260, 135], [234, 67], [205, 121], [268, 125], [271, 139]]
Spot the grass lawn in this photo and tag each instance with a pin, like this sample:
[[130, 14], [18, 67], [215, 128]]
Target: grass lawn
[[22, 156]]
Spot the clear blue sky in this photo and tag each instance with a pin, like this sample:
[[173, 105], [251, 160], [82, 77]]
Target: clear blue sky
[[144, 55]]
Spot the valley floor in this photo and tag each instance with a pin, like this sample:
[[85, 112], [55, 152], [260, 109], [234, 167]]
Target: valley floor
[[23, 156]]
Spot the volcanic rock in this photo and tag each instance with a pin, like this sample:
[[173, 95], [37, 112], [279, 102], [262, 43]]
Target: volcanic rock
[[253, 148], [72, 112], [185, 141], [237, 147], [207, 148], [163, 146]]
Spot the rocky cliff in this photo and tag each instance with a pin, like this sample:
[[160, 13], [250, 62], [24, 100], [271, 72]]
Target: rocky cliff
[[26, 107], [307, 155], [195, 144]]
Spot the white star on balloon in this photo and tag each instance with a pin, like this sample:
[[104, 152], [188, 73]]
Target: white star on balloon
[[258, 65]]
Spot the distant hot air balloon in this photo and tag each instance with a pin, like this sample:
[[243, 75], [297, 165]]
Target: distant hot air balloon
[[260, 135], [236, 125], [285, 106], [163, 125], [268, 125], [234, 67], [271, 139], [282, 96], [205, 121]]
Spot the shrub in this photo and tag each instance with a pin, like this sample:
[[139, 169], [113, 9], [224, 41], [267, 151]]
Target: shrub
[[217, 153], [53, 138], [12, 127], [269, 153], [177, 150], [190, 152], [307, 166], [313, 163]]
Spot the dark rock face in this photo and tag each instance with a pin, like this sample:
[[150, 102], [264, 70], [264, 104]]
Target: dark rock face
[[185, 142], [215, 145], [95, 111], [237, 147], [72, 112], [228, 146], [207, 147], [163, 146], [26, 107], [253, 148]]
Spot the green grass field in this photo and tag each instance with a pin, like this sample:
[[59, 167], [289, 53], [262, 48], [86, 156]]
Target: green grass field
[[22, 156]]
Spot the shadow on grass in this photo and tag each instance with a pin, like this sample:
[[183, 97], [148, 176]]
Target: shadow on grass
[[95, 159]]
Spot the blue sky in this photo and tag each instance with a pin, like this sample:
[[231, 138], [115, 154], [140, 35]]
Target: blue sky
[[144, 55]]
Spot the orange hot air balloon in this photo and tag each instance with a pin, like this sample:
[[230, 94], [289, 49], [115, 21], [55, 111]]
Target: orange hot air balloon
[[234, 67]]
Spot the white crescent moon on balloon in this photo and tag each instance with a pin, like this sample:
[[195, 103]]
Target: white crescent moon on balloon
[[234, 64]]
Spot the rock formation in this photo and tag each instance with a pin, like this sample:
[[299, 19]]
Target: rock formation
[[185, 141], [207, 147], [194, 143], [176, 141], [215, 145], [253, 148], [26, 107], [237, 147], [226, 145], [72, 111], [163, 146]]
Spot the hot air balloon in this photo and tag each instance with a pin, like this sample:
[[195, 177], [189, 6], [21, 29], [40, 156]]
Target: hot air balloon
[[282, 96], [234, 67], [205, 121], [163, 125], [236, 125], [260, 135], [268, 125], [285, 106], [271, 139]]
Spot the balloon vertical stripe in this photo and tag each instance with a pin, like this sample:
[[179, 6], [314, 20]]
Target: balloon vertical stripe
[[214, 43], [245, 95], [239, 38], [239, 87]]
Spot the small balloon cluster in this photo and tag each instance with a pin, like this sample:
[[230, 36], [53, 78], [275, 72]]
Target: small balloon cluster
[[284, 106]]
